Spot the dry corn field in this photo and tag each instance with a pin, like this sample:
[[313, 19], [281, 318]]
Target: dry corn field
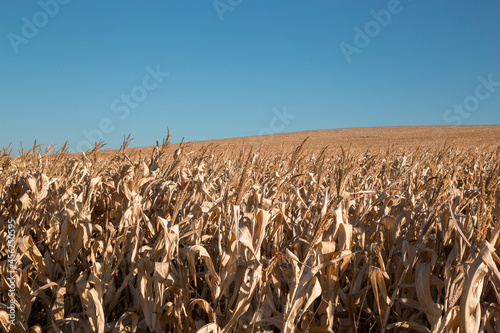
[[217, 240]]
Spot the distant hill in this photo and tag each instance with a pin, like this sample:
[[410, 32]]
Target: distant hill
[[363, 138]]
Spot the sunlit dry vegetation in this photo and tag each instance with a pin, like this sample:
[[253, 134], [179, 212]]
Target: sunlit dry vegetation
[[212, 240]]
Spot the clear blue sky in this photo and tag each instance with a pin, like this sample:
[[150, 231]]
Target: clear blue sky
[[234, 65]]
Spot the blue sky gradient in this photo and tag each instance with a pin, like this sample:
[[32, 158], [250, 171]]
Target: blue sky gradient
[[234, 65]]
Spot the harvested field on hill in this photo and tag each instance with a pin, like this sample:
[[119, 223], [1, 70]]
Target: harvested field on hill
[[361, 139], [215, 239]]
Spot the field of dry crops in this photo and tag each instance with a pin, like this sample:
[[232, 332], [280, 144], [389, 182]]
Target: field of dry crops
[[215, 240]]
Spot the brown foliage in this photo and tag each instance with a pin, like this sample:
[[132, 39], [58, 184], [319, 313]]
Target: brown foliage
[[212, 241]]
